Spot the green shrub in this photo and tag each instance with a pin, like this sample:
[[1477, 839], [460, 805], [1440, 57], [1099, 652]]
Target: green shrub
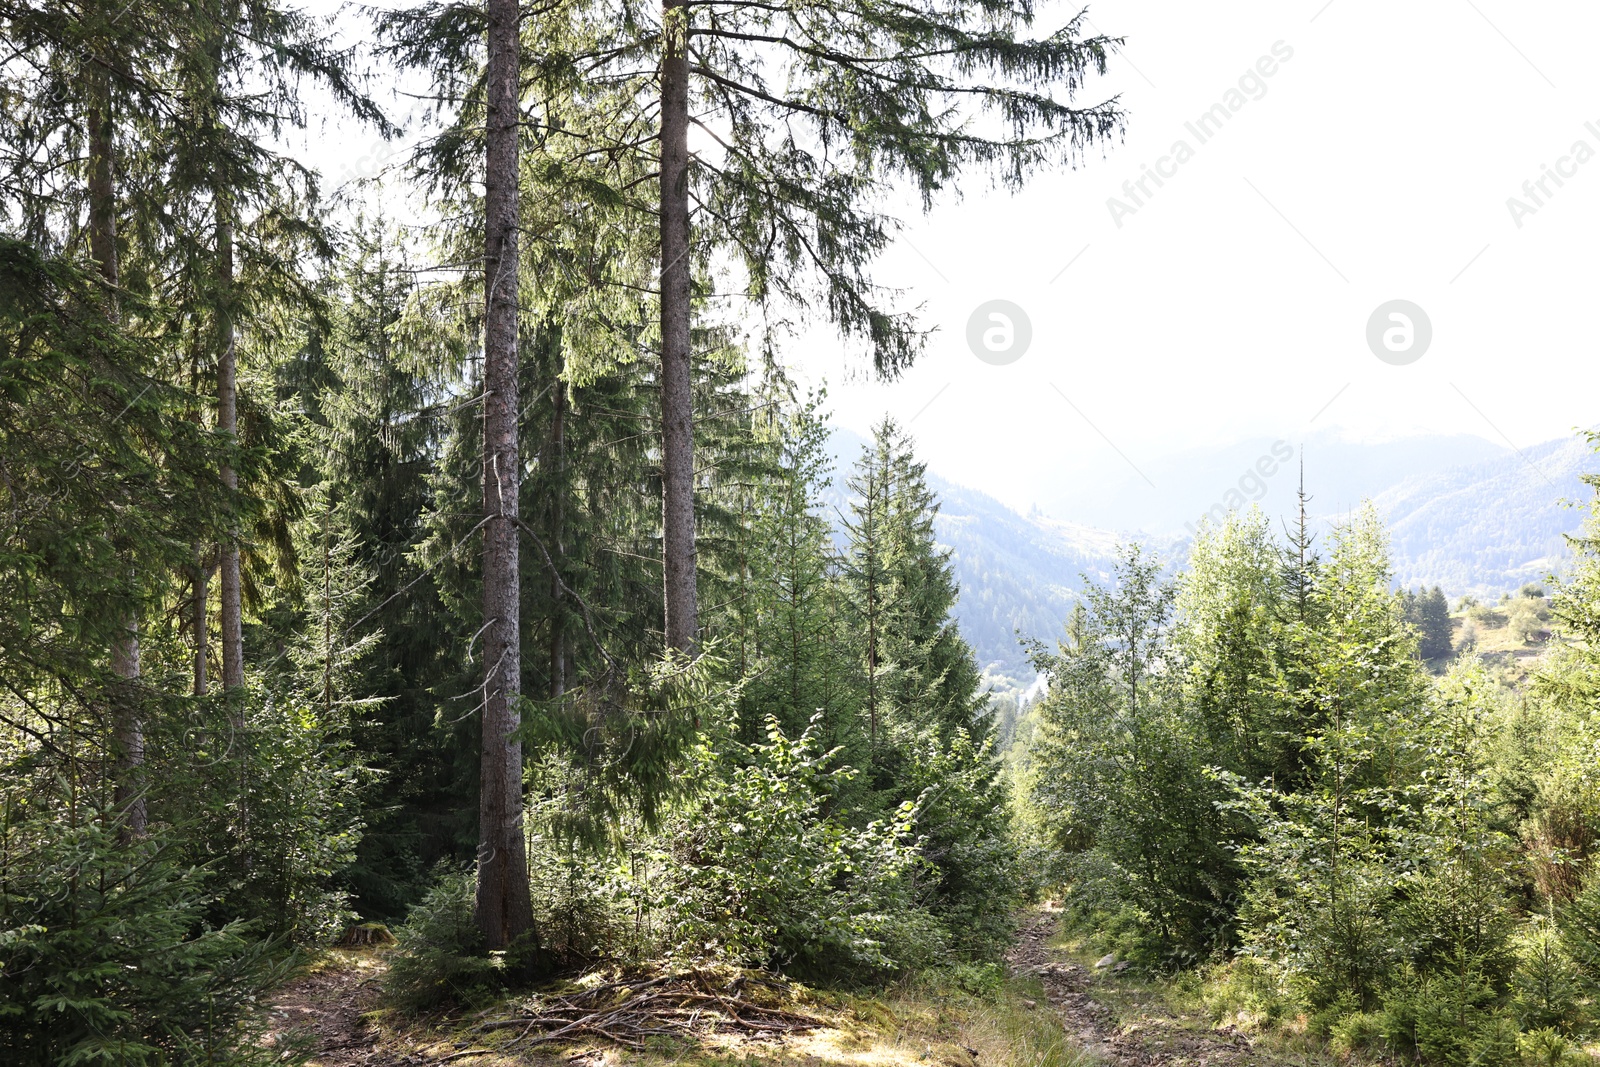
[[962, 823], [1452, 1020], [760, 869], [1361, 1032], [1579, 923], [983, 980], [105, 957], [1094, 909], [1545, 989], [269, 810], [1245, 992], [583, 911], [441, 959], [1548, 1048]]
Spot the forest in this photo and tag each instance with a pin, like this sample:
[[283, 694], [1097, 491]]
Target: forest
[[440, 574]]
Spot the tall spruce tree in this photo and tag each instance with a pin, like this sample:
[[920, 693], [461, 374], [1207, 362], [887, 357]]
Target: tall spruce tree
[[241, 227], [795, 645], [902, 589], [813, 111], [505, 912]]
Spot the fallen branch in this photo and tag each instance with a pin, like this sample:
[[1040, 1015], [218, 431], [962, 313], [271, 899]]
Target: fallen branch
[[625, 1012]]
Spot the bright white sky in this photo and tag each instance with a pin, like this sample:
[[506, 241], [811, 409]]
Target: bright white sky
[[1376, 166], [1235, 302]]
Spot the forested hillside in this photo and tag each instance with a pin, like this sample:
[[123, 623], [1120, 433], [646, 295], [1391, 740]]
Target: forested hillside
[[1486, 527]]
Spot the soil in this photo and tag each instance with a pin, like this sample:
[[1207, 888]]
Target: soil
[[1147, 1037], [327, 1013]]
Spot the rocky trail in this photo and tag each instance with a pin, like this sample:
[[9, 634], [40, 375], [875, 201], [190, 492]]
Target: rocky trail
[[1144, 1036]]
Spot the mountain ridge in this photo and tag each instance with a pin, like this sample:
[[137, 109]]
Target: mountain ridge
[[1480, 526]]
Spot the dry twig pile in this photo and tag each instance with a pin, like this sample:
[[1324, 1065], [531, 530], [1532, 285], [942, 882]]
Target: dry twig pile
[[627, 1011]]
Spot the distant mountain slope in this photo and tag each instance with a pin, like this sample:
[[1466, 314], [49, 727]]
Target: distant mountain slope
[[1184, 485], [1488, 527], [1018, 574], [1483, 526]]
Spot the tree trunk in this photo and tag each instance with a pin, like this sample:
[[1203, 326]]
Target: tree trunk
[[228, 423], [127, 729], [504, 910], [128, 732], [558, 550], [677, 414], [199, 592]]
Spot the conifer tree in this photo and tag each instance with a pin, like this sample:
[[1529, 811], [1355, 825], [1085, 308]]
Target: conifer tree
[[814, 110], [867, 571], [504, 910], [919, 672], [1234, 607], [798, 658], [936, 680], [127, 730], [1326, 863], [241, 225]]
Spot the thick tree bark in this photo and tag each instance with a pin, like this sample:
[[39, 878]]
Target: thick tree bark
[[677, 414], [228, 423], [504, 910], [127, 729], [102, 189]]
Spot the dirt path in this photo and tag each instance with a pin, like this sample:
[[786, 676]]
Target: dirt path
[[328, 1014], [1147, 1037], [325, 1013]]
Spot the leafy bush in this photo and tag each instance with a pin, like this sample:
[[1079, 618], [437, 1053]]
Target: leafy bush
[[1549, 1048], [582, 908], [962, 822], [1448, 1019], [267, 796], [984, 981], [441, 959], [1357, 1033]]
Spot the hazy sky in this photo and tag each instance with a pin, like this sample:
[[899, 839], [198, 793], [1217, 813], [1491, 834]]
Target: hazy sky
[[1367, 155], [1374, 164]]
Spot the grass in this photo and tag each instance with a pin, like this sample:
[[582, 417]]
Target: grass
[[1168, 1008], [1489, 632], [917, 1025]]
